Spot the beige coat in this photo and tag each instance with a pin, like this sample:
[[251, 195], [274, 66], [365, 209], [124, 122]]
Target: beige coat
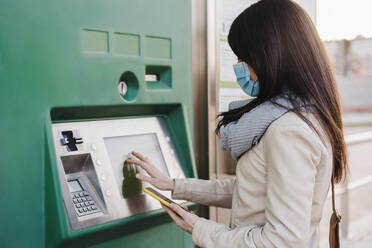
[[278, 193]]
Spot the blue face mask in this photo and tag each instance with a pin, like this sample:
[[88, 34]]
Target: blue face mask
[[243, 77]]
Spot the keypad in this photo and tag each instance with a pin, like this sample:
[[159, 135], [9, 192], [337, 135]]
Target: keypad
[[84, 204]]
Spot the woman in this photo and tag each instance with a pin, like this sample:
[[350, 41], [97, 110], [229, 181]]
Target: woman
[[287, 138]]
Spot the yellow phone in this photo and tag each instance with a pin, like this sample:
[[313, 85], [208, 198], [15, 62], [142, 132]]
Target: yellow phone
[[160, 197]]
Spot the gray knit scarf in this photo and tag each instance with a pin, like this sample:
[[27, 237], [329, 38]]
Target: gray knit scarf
[[241, 135]]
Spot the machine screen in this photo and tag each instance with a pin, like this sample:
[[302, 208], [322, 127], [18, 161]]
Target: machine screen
[[119, 147], [74, 186]]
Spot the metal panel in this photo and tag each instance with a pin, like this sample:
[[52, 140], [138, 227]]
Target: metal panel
[[199, 74], [212, 79], [108, 143]]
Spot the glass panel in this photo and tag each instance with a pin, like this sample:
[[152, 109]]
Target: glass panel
[[119, 147]]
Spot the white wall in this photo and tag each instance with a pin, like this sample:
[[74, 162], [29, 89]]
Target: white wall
[[309, 6]]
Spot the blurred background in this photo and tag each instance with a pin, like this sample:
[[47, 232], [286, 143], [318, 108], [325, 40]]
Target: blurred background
[[347, 34], [345, 28]]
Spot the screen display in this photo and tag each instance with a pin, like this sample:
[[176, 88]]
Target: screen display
[[74, 186], [118, 149]]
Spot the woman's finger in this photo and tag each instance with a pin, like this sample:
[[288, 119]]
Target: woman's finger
[[179, 210], [148, 167], [145, 178], [177, 219], [140, 156], [143, 165], [138, 162]]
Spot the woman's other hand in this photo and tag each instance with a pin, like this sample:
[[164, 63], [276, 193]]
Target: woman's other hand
[[157, 179], [181, 217]]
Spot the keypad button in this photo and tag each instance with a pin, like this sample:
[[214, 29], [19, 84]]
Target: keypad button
[[90, 208], [93, 147], [76, 195], [85, 209], [91, 202], [75, 201], [94, 207], [88, 198], [84, 199], [79, 200], [81, 194], [86, 204], [77, 205], [80, 210]]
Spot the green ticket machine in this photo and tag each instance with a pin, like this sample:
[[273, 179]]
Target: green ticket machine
[[83, 84]]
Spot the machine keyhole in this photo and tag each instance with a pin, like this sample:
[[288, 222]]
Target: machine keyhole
[[122, 88]]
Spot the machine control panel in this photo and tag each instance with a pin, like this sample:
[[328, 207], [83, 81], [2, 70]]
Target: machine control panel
[[97, 184], [84, 203]]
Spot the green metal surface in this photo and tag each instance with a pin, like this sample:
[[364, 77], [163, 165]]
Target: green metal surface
[[62, 60]]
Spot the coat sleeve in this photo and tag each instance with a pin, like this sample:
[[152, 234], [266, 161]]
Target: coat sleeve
[[292, 154], [207, 192]]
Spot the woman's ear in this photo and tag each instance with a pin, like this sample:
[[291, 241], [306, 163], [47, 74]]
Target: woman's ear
[[253, 73]]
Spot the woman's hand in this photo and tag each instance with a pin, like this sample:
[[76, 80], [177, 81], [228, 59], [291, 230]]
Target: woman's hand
[[181, 217], [157, 179]]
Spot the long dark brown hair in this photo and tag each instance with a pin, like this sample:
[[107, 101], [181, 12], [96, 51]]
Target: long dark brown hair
[[278, 39]]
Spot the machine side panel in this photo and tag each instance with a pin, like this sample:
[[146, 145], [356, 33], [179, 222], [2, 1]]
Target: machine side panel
[[71, 54]]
